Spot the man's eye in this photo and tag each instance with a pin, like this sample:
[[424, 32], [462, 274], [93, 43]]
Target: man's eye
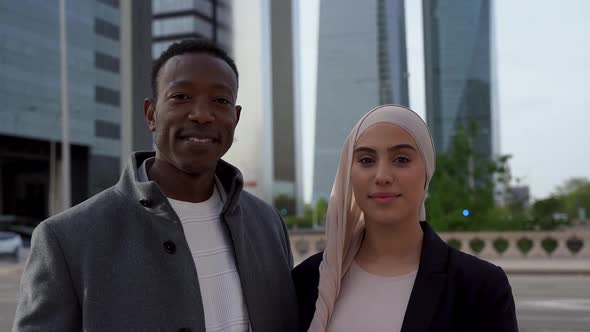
[[222, 101], [180, 96]]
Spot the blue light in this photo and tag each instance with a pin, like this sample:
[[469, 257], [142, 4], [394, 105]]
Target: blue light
[[465, 212]]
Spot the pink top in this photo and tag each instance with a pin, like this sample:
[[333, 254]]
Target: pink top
[[369, 302]]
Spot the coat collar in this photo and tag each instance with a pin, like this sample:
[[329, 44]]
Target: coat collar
[[429, 284], [148, 194]]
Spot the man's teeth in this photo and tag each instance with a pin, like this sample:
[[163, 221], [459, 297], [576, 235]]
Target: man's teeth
[[199, 140]]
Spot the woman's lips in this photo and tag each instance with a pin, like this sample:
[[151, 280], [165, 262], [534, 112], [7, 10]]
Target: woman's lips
[[384, 197]]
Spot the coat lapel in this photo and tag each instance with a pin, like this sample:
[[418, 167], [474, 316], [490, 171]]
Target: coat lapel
[[251, 273], [241, 234], [430, 283]]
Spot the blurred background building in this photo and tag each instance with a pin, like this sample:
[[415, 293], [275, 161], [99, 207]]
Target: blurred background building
[[361, 64], [267, 148], [458, 68], [30, 129], [175, 20], [110, 47]]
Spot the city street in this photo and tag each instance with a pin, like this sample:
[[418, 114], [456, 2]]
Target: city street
[[545, 303], [10, 272]]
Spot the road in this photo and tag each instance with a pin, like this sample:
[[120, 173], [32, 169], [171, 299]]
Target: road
[[549, 303], [544, 303]]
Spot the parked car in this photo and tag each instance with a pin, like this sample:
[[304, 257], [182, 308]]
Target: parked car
[[11, 244]]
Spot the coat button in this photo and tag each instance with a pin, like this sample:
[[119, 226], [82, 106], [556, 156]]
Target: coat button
[[145, 202], [185, 329], [170, 247]]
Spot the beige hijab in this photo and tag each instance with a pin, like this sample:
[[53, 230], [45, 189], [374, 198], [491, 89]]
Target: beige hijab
[[344, 219]]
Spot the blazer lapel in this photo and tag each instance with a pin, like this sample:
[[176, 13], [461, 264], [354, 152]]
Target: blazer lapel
[[429, 285]]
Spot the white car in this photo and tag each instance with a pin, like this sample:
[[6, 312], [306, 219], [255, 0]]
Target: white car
[[10, 244]]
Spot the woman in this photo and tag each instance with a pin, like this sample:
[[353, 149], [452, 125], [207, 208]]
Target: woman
[[384, 268]]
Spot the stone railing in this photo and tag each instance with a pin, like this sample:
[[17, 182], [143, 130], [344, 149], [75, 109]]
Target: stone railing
[[571, 244]]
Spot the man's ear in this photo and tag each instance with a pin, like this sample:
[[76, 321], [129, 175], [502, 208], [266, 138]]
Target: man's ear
[[149, 111], [238, 112]]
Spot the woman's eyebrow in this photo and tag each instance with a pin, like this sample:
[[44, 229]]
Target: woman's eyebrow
[[365, 149], [401, 146]]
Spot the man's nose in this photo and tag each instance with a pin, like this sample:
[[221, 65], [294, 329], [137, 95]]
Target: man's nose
[[200, 113]]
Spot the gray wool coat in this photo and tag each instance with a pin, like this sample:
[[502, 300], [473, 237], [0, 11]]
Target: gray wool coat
[[120, 262]]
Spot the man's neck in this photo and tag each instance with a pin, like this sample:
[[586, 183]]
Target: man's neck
[[178, 185]]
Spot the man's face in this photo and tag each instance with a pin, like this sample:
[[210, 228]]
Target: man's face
[[195, 115]]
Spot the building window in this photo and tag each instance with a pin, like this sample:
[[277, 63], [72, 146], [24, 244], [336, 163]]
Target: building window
[[158, 47], [203, 6], [106, 96], [112, 3], [107, 130], [106, 29], [106, 62], [182, 25]]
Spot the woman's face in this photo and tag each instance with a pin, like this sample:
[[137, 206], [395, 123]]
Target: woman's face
[[388, 175]]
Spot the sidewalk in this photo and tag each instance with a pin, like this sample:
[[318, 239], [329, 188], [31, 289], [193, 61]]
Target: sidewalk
[[544, 266]]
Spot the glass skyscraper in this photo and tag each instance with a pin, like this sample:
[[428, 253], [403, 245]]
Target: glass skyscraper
[[457, 38], [361, 64]]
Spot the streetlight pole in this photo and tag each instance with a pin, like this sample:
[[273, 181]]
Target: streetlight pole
[[65, 126]]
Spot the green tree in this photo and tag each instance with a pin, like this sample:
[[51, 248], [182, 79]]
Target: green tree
[[465, 180], [575, 195], [321, 207], [285, 204], [546, 213]]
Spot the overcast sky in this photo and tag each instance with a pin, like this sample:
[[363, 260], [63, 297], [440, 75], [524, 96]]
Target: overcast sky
[[542, 53]]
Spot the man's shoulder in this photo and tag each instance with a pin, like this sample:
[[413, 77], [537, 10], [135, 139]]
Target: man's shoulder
[[102, 204], [253, 203]]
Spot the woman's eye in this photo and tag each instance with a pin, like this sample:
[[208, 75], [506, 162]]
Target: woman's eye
[[402, 160], [365, 161]]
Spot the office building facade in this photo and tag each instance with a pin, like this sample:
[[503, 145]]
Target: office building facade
[[361, 64], [458, 69], [30, 130], [174, 20]]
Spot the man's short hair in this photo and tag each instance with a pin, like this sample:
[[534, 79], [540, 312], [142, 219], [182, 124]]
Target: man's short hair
[[189, 46]]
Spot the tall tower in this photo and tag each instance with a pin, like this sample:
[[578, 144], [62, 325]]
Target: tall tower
[[457, 39], [361, 64], [174, 20]]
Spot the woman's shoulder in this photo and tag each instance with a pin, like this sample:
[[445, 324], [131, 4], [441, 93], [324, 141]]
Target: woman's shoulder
[[308, 270], [477, 276], [473, 267], [461, 268], [482, 292], [306, 277]]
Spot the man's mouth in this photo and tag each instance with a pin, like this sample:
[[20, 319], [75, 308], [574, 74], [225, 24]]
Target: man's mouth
[[199, 140]]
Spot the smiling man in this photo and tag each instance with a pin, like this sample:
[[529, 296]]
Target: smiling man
[[176, 244]]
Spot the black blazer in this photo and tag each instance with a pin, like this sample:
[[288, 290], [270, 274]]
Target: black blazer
[[453, 292]]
